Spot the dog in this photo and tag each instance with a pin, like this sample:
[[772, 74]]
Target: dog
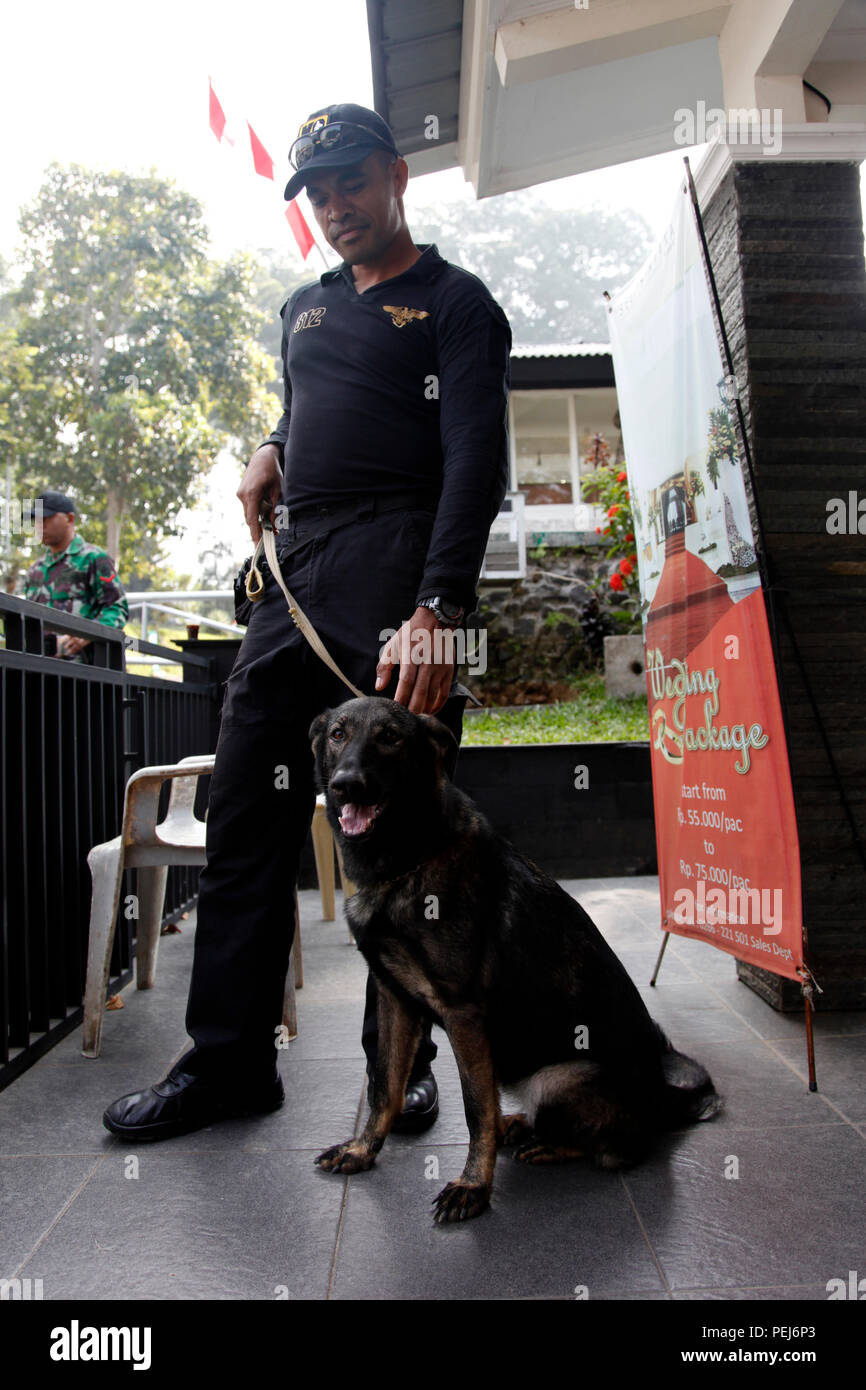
[[458, 927]]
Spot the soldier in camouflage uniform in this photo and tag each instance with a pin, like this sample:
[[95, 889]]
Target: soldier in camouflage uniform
[[72, 575]]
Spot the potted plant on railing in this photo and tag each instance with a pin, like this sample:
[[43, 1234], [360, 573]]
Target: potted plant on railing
[[597, 456]]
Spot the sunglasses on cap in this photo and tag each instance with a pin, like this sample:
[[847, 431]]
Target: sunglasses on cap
[[335, 136]]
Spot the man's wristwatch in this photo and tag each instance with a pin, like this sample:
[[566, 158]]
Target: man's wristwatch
[[448, 614]]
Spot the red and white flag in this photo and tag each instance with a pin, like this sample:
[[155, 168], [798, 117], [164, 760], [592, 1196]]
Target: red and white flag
[[217, 115], [245, 142], [301, 232], [262, 161], [248, 143]]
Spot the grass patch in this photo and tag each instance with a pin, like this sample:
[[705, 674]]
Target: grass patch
[[589, 718]]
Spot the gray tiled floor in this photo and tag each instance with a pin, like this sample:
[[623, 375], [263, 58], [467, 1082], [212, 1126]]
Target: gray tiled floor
[[238, 1211]]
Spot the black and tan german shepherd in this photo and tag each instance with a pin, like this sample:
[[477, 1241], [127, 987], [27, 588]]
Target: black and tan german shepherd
[[458, 927]]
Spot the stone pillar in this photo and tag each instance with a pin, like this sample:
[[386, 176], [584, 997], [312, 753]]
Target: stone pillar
[[786, 244]]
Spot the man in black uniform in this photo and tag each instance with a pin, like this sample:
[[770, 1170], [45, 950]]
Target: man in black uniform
[[394, 463]]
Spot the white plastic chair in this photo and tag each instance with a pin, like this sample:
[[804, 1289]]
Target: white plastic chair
[[150, 848], [324, 846]]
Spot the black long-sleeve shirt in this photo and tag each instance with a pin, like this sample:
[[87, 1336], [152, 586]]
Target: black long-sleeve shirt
[[403, 386]]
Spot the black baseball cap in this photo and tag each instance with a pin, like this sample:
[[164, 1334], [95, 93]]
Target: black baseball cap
[[54, 502], [362, 130]]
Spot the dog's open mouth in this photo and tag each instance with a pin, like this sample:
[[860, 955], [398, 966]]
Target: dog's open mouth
[[357, 820]]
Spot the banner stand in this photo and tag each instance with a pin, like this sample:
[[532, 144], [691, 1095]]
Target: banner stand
[[808, 982], [809, 985], [655, 973]]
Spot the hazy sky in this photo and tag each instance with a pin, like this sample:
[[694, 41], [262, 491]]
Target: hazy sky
[[108, 86]]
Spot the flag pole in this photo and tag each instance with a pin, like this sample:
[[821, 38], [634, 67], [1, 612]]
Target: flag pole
[[318, 248], [304, 239], [322, 254]]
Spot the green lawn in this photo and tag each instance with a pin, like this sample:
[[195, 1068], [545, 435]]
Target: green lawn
[[589, 718]]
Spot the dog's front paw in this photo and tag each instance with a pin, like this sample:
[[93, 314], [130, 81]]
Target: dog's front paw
[[352, 1157], [460, 1201]]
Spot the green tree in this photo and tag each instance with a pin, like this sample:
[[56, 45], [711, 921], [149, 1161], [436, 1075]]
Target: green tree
[[546, 266], [29, 410], [152, 347]]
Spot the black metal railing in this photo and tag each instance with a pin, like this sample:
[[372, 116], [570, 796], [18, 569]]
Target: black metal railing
[[72, 733]]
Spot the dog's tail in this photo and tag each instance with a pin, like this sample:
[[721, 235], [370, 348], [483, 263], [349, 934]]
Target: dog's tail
[[689, 1093]]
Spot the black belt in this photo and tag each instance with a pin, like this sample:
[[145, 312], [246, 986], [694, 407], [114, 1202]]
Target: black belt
[[318, 521]]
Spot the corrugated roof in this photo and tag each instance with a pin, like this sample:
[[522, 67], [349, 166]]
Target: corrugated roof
[[415, 47], [562, 350]]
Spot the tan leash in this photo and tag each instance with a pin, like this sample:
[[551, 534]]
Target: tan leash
[[255, 588]]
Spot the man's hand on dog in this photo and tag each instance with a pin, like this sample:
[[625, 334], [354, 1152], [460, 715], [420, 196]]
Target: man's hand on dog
[[423, 685]]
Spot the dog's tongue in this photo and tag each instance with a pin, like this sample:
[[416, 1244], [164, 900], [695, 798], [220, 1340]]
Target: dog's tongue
[[354, 820]]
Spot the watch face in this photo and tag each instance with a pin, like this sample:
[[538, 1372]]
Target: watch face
[[451, 610]]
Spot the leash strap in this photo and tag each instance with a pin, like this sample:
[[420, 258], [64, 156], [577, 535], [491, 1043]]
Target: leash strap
[[255, 587]]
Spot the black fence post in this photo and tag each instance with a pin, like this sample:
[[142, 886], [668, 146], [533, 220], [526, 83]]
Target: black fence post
[[72, 733]]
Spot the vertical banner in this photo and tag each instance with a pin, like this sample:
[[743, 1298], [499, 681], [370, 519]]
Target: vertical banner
[[726, 830]]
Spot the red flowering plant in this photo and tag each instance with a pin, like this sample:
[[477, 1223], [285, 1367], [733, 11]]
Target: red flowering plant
[[608, 489]]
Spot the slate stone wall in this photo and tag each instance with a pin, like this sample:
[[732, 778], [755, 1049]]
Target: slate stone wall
[[549, 625], [786, 243]]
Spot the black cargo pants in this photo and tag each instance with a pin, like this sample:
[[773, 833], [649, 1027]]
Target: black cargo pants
[[352, 582]]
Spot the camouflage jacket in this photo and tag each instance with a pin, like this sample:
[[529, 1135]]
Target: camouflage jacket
[[82, 580]]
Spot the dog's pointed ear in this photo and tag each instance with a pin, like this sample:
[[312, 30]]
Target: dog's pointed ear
[[318, 727], [442, 739]]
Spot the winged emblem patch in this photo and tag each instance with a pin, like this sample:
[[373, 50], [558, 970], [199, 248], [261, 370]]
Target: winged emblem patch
[[401, 316]]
